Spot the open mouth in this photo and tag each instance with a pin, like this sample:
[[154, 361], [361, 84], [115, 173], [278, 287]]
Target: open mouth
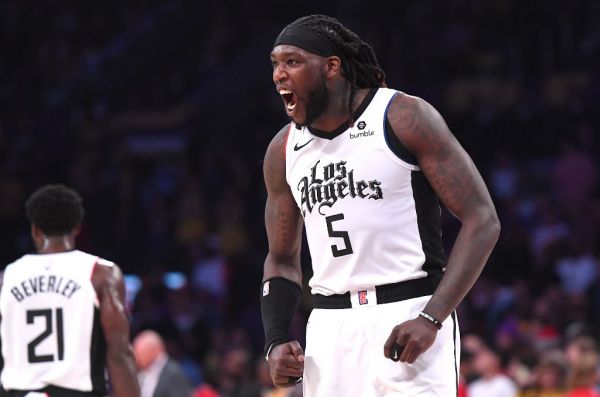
[[289, 99]]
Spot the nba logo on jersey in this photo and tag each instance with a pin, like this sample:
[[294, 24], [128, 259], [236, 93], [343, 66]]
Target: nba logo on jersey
[[266, 288], [362, 297]]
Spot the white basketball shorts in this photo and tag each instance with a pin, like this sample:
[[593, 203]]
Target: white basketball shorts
[[344, 353]]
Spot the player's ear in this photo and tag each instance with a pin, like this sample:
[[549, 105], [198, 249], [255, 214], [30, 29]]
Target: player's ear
[[76, 231], [36, 232], [334, 66], [37, 236]]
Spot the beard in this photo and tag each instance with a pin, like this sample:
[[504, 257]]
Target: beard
[[317, 101]]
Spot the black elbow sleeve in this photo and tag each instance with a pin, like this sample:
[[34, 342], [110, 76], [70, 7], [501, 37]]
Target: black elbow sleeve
[[279, 301]]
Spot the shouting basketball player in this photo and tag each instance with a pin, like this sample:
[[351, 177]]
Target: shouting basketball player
[[364, 167]]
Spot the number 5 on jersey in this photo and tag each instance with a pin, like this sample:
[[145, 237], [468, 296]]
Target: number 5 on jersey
[[347, 250]]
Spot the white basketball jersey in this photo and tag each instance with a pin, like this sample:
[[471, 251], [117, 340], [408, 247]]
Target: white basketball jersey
[[50, 330], [371, 217]]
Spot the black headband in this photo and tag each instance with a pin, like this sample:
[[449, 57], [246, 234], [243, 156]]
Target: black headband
[[307, 40]]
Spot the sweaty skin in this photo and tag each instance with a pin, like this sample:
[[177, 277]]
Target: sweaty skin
[[283, 220], [444, 163], [284, 232], [460, 187], [109, 286], [300, 71]]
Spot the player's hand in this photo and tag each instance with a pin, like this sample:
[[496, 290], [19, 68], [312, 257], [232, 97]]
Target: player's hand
[[409, 340], [286, 364]]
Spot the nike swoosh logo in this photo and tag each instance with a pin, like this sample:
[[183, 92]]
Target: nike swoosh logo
[[396, 351], [296, 147]]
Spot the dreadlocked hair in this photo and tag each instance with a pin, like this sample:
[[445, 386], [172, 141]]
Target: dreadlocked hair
[[359, 63], [55, 209]]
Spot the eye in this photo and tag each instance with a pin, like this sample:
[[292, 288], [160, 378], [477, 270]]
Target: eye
[[274, 63], [292, 61]]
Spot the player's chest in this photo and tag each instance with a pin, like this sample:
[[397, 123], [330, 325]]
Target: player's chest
[[341, 174]]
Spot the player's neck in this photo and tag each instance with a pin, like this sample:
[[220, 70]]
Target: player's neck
[[55, 244], [337, 111]]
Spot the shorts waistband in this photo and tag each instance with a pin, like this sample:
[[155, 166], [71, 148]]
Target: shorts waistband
[[380, 294]]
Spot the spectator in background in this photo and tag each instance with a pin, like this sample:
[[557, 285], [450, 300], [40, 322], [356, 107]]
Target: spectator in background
[[576, 176], [580, 345], [504, 176], [550, 229], [577, 269], [492, 381], [209, 273], [583, 376], [548, 378], [205, 390], [159, 375], [544, 327], [465, 371], [236, 374]]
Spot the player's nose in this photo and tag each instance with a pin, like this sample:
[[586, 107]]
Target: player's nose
[[279, 74]]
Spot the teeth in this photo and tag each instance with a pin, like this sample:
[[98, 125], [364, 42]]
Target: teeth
[[284, 92], [290, 107]]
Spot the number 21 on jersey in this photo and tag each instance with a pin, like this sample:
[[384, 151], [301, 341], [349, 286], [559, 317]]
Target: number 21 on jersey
[[53, 320]]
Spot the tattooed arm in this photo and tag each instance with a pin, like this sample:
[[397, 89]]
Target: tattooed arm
[[455, 179], [282, 216], [284, 232]]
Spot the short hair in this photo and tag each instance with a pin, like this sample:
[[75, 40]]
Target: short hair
[[55, 209], [361, 67]]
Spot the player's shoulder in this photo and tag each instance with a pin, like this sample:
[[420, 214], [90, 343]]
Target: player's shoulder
[[403, 102], [276, 151], [19, 264], [274, 162], [105, 270], [105, 262], [417, 124], [279, 141], [10, 269], [106, 267], [408, 112]]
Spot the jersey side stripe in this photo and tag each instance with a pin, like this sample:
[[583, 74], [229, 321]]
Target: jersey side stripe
[[429, 223], [98, 355], [454, 338]]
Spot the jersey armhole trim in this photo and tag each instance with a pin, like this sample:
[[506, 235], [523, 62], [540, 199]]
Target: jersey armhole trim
[[399, 152], [285, 150], [287, 137], [96, 263]]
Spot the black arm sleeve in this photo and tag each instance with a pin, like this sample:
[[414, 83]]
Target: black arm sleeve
[[279, 301]]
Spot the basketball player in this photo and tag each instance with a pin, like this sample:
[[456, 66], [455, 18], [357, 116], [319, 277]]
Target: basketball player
[[362, 167], [62, 311]]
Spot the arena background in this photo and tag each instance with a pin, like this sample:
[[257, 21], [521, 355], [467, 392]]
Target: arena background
[[159, 113]]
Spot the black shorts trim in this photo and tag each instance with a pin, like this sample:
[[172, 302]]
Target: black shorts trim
[[51, 391], [454, 329]]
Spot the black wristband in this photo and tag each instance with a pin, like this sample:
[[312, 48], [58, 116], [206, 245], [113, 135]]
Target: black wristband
[[279, 301], [431, 319]]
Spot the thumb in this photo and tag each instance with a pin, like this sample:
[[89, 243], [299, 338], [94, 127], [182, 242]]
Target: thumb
[[297, 351]]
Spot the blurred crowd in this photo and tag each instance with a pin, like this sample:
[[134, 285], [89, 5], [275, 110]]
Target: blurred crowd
[[159, 113]]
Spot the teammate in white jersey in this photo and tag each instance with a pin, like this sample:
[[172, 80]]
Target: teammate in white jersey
[[362, 167], [63, 319]]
